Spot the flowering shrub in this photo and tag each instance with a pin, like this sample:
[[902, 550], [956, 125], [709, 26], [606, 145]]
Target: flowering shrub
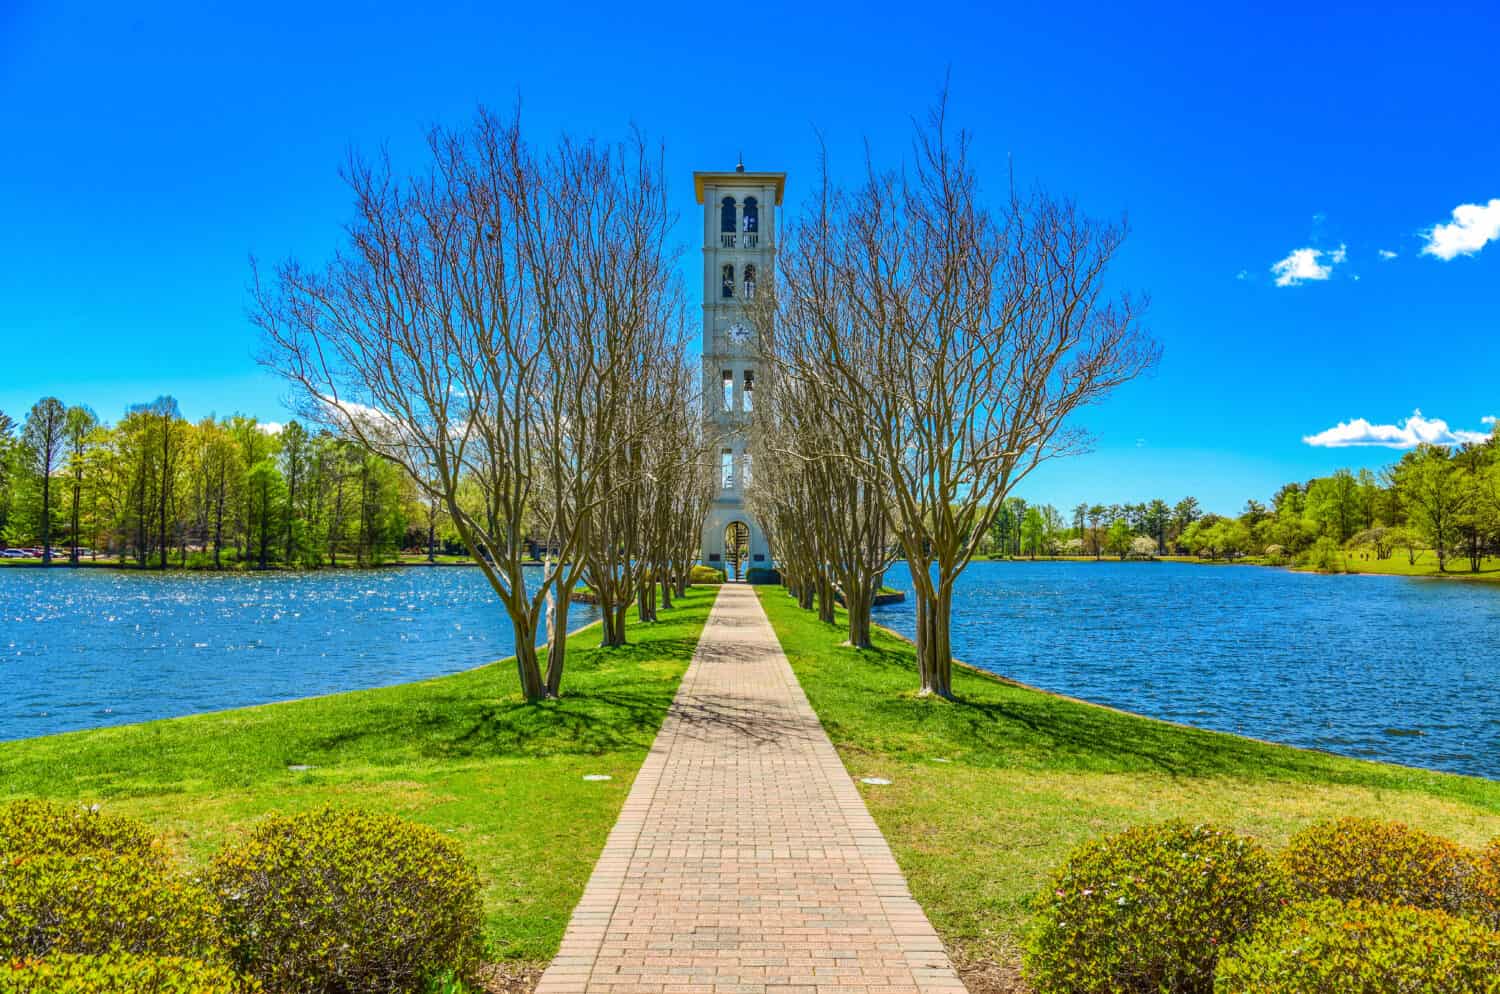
[[46, 828], [1380, 861], [1333, 947], [344, 902], [118, 973], [101, 901], [1150, 910]]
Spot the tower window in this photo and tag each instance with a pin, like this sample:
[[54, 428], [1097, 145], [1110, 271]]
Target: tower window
[[749, 392], [752, 214], [750, 281], [728, 389], [728, 274], [726, 469], [726, 215]]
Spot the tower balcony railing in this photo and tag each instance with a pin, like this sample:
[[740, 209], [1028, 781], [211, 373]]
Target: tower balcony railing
[[739, 239]]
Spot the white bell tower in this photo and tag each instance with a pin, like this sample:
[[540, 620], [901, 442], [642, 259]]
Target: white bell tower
[[739, 256]]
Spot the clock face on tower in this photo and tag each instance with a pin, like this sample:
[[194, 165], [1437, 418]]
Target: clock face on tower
[[738, 334]]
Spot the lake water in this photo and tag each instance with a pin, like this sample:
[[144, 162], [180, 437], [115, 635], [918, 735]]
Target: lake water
[[91, 647], [1401, 670], [1379, 667]]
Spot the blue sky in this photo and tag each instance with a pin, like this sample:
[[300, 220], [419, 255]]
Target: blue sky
[[150, 149]]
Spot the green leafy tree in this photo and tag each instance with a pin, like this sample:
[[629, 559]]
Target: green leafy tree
[[80, 428], [1158, 519], [1118, 538], [42, 441], [1435, 497], [1335, 503], [1184, 515], [265, 491], [9, 454], [296, 453], [1033, 531], [1095, 535]]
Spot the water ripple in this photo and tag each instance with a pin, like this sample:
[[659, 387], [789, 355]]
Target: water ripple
[[1387, 668], [104, 647]]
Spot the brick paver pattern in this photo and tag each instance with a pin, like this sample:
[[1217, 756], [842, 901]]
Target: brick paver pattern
[[744, 859]]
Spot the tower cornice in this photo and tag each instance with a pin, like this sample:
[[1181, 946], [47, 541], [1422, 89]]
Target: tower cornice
[[701, 180]]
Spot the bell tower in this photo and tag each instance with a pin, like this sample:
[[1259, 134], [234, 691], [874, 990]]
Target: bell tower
[[739, 255]]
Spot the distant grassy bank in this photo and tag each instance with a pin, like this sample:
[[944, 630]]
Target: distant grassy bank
[[989, 793], [461, 753], [1426, 564], [199, 565]]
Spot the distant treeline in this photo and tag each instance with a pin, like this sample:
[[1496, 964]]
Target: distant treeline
[[1433, 497], [157, 490]]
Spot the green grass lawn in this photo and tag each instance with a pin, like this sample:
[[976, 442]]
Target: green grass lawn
[[991, 792], [461, 753], [1399, 564]]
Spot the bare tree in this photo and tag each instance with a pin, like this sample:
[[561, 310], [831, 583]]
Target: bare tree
[[481, 330], [817, 456], [964, 338]]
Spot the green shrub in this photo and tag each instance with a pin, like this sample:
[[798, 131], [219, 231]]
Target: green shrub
[[762, 575], [701, 574], [119, 973], [47, 828], [1326, 556], [1149, 910], [343, 901], [101, 901], [1356, 947], [1380, 861], [1485, 905]]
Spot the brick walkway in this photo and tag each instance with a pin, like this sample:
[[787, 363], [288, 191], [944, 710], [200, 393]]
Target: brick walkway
[[744, 859]]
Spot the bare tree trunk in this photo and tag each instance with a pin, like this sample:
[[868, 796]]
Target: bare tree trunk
[[557, 646], [858, 602], [934, 652], [528, 666], [827, 608]]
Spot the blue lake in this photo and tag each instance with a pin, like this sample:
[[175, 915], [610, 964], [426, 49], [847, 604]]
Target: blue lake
[[1401, 670], [1385, 668], [84, 648]]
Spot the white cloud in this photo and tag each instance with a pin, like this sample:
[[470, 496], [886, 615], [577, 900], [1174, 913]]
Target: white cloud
[[1409, 433], [269, 427], [1473, 227], [1243, 274], [1488, 419], [1304, 265], [1387, 254]]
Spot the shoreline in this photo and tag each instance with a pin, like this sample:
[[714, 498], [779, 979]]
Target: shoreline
[[1491, 575], [63, 564]]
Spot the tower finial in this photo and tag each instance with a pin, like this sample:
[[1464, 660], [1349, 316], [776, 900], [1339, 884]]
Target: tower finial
[[740, 167]]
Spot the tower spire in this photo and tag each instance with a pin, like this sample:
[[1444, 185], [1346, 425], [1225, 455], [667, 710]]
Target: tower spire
[[740, 166]]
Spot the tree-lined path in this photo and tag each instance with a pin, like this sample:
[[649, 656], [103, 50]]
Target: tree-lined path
[[744, 859]]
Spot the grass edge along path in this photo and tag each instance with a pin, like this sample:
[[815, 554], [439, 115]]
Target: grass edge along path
[[989, 793], [460, 753]]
